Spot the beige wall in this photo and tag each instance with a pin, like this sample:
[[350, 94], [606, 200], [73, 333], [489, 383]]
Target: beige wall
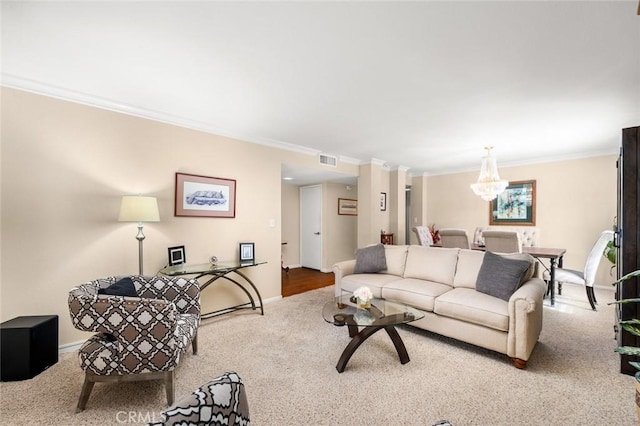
[[396, 205], [575, 201], [419, 200], [65, 167], [291, 225], [340, 231]]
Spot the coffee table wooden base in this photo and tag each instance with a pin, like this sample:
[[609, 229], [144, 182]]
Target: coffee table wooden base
[[364, 334]]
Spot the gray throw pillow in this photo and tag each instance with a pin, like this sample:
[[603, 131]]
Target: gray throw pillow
[[500, 277], [370, 260]]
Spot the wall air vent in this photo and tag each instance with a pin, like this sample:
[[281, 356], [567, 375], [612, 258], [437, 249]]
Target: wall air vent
[[328, 160]]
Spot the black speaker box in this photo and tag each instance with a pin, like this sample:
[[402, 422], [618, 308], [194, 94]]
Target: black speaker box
[[28, 346]]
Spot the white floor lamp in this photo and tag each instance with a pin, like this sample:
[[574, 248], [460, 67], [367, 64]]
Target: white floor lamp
[[136, 208]]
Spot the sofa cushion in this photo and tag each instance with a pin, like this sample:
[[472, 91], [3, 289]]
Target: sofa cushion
[[375, 282], [469, 263], [469, 305], [370, 259], [431, 264], [499, 276], [122, 287], [396, 258], [420, 294]]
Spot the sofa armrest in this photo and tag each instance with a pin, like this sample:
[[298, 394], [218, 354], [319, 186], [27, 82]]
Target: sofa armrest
[[340, 270], [525, 318]]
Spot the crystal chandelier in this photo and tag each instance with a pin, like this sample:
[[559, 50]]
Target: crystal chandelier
[[489, 184]]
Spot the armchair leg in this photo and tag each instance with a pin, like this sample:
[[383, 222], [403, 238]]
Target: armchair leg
[[591, 296], [169, 377], [87, 387], [194, 344]]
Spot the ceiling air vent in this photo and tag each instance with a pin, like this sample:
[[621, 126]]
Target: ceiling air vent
[[328, 160]]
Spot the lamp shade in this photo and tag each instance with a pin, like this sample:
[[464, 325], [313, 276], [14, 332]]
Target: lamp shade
[[136, 208]]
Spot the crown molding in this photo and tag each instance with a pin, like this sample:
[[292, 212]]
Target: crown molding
[[40, 88], [57, 92], [531, 161]]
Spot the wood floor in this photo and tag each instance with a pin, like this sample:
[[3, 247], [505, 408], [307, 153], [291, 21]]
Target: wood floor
[[299, 280]]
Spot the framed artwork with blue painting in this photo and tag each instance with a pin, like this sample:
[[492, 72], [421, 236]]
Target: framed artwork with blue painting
[[515, 206], [205, 196]]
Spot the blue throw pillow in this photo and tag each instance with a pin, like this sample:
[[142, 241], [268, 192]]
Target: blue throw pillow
[[122, 287]]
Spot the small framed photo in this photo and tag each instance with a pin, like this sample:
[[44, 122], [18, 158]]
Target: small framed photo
[[347, 207], [383, 201], [247, 252], [177, 255]]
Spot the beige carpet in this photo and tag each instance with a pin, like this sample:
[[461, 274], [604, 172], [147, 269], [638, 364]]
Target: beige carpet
[[287, 360]]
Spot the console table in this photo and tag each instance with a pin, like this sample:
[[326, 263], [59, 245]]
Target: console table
[[221, 270]]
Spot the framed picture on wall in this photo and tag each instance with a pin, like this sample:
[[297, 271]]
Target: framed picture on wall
[[383, 201], [177, 255], [204, 196], [347, 206], [515, 206]]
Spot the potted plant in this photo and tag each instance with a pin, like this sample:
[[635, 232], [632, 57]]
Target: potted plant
[[632, 326], [610, 251]]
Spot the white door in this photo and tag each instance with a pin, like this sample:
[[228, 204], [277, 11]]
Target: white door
[[311, 226]]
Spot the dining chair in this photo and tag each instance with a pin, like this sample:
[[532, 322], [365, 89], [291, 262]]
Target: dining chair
[[587, 276], [454, 237], [502, 241], [424, 235]]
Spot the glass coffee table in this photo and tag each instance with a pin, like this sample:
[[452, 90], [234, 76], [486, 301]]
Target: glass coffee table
[[382, 315]]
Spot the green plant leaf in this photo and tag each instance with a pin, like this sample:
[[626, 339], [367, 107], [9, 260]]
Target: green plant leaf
[[630, 326], [634, 300], [626, 277], [635, 365], [610, 252], [628, 350]]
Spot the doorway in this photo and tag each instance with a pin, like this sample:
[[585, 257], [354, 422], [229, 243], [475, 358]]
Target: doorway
[[311, 227]]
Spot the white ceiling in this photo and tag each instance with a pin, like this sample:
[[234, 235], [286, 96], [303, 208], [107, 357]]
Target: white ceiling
[[424, 85]]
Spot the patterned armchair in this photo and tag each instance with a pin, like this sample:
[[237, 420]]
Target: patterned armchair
[[222, 401], [138, 338]]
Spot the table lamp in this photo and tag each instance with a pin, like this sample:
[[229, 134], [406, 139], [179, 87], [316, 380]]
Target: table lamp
[[136, 208]]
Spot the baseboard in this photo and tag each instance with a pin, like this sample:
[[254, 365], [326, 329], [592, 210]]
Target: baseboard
[[324, 270], [295, 266], [70, 347]]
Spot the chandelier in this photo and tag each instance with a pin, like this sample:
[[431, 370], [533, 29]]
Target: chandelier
[[489, 184]]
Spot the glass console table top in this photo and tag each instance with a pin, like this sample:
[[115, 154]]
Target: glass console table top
[[204, 268]]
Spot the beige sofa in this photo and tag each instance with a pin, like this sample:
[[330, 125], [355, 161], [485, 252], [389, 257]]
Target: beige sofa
[[441, 282]]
